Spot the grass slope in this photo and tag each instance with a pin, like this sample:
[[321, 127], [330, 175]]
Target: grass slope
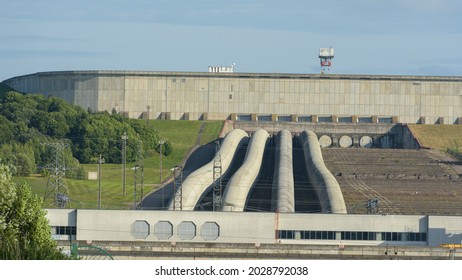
[[84, 193], [438, 136]]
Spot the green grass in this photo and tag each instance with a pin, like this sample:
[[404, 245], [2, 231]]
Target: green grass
[[211, 131], [84, 193], [438, 136]]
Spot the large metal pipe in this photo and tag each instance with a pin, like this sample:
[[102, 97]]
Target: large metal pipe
[[326, 186], [283, 198], [197, 183], [239, 185]]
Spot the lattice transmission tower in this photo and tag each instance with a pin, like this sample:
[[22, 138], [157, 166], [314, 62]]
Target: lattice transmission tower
[[56, 186], [177, 188], [217, 185]]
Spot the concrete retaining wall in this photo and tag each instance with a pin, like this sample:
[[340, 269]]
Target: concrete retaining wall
[[195, 251]]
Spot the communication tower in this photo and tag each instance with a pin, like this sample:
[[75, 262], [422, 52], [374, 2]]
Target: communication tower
[[326, 55]]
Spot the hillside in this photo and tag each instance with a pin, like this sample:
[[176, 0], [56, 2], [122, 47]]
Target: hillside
[[440, 136], [29, 123]]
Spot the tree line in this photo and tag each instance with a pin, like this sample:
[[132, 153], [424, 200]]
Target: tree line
[[29, 121]]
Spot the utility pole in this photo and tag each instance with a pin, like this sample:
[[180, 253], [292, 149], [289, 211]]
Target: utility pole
[[124, 162], [161, 143], [56, 186], [138, 177], [100, 161]]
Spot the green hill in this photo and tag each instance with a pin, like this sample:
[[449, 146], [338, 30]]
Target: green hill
[[84, 193], [27, 122]]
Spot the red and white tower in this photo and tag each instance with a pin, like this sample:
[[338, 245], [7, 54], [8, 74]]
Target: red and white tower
[[326, 55]]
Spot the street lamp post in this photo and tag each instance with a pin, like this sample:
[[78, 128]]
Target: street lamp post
[[100, 161], [161, 143]]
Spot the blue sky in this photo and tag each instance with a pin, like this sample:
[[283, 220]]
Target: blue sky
[[395, 37]]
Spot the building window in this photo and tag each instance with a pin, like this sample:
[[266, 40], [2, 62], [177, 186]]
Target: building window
[[391, 236], [365, 120], [140, 230], [286, 234], [307, 234], [264, 118], [324, 119], [345, 119], [417, 236], [163, 230], [186, 230], [64, 230], [385, 120], [358, 235], [245, 118], [210, 231], [304, 118], [284, 118]]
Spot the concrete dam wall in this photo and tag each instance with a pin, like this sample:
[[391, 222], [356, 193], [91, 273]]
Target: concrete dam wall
[[256, 96]]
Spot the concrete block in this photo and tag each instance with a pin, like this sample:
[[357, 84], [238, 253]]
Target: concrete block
[[253, 117], [294, 118], [274, 117]]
